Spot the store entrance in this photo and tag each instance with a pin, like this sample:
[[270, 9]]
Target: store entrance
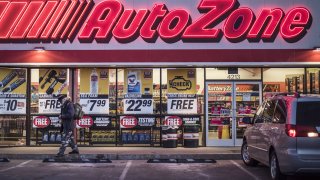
[[227, 103]]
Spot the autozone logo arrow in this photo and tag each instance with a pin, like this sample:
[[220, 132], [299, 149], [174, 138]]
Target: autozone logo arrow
[[61, 20]]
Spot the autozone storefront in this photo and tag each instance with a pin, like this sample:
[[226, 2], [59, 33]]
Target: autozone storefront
[[136, 66]]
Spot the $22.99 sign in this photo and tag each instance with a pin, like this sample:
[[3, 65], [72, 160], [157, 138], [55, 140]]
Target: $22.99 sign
[[138, 106]]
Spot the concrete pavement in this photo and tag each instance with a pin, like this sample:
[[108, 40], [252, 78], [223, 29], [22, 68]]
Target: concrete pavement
[[125, 153]]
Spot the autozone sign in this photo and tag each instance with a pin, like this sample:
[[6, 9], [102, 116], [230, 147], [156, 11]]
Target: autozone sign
[[60, 20]]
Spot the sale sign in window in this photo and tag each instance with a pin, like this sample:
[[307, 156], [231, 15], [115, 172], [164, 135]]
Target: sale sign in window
[[182, 104], [12, 91], [138, 104], [94, 90], [52, 83]]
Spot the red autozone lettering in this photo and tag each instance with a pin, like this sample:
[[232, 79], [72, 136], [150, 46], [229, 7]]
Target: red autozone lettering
[[58, 20]]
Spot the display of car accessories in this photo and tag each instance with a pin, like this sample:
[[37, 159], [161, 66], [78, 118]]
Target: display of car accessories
[[61, 88], [14, 85], [58, 137], [51, 75], [45, 137], [54, 80], [103, 136], [8, 78], [52, 137], [41, 78], [136, 137]]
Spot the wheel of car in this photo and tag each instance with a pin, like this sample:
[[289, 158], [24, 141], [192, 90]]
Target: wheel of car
[[246, 155], [274, 168]]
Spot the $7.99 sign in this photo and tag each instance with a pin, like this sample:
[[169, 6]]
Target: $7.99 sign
[[138, 106], [95, 106]]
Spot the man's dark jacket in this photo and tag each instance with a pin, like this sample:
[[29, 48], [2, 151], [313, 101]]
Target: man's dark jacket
[[67, 113]]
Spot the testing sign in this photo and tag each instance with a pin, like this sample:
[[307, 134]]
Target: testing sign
[[182, 104]]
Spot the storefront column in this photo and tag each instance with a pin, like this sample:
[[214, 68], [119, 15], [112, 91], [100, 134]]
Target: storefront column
[[73, 88], [28, 108]]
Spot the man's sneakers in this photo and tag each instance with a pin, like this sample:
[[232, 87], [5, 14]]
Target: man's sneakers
[[74, 152], [59, 155]]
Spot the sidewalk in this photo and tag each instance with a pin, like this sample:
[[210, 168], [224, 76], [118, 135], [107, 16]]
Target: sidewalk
[[126, 153]]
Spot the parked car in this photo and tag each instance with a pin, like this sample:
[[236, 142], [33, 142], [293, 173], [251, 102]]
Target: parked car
[[284, 134]]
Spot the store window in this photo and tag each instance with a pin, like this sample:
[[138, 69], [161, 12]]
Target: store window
[[313, 78], [233, 73], [46, 86], [182, 99], [139, 105], [277, 80], [13, 90], [97, 96]]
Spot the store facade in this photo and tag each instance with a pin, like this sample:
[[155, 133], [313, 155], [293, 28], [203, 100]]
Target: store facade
[[138, 65]]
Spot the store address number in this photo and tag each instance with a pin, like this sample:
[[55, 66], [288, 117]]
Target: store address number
[[233, 76]]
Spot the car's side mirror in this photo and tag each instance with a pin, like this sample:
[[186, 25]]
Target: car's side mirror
[[247, 120]]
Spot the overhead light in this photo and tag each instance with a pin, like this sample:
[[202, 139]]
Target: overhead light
[[40, 49]]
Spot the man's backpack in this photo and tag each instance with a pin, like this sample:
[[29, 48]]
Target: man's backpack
[[78, 113]]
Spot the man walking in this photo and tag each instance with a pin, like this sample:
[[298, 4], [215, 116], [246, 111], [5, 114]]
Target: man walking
[[67, 117]]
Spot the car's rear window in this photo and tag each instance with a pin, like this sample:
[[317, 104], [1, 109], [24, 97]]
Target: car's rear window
[[308, 113]]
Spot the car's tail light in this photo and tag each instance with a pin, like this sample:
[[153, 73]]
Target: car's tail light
[[301, 131]]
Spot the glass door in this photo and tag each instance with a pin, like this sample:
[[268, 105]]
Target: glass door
[[248, 96], [227, 103], [219, 113]]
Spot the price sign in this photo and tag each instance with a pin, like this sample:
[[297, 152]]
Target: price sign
[[49, 104], [138, 106], [12, 104], [94, 104]]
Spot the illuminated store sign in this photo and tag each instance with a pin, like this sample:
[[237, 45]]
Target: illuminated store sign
[[59, 20]]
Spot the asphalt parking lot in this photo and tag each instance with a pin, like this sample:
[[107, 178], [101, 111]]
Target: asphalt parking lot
[[135, 170]]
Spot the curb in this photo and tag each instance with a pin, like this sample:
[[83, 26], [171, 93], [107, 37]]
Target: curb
[[230, 156]]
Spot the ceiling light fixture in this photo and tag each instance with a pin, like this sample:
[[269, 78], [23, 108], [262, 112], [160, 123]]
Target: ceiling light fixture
[[40, 49]]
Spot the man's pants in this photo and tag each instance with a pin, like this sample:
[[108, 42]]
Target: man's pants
[[67, 139]]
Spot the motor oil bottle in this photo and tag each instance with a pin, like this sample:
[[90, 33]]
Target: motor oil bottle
[[94, 82]]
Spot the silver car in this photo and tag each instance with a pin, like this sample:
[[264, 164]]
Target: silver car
[[284, 134]]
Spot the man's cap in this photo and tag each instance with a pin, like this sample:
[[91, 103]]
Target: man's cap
[[61, 96]]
